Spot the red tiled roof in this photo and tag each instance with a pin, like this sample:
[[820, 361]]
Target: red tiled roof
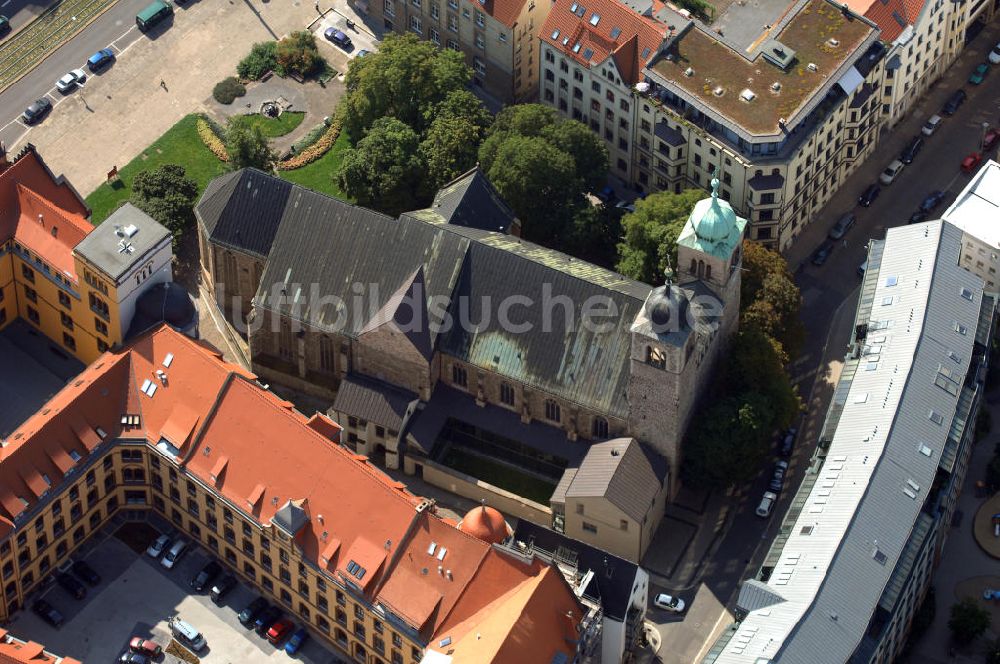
[[16, 651], [586, 43], [505, 11], [30, 171], [885, 12]]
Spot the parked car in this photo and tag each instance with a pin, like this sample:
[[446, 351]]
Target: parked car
[[971, 162], [607, 194], [788, 442], [956, 99], [250, 612], [186, 633], [174, 554], [931, 201], [36, 111], [159, 545], [869, 195], [70, 584], [279, 630], [979, 73], [931, 125], [85, 572], [362, 53], [991, 139], [206, 576], [4, 25], [889, 175], [265, 619], [822, 253], [129, 657], [862, 269], [669, 603], [47, 612], [298, 638], [911, 150], [338, 38], [766, 504], [994, 55], [918, 217], [778, 476], [144, 646], [844, 224], [100, 60], [71, 80], [223, 586]]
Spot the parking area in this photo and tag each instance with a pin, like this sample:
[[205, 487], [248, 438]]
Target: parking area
[[337, 55], [137, 596]]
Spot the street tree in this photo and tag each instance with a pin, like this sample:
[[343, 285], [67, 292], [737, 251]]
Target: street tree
[[770, 299], [384, 170], [167, 195], [651, 232], [968, 620], [247, 145]]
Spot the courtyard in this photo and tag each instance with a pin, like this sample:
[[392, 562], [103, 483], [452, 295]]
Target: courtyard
[[137, 596]]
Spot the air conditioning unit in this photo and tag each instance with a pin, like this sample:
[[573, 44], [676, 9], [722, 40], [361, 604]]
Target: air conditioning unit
[[812, 66], [776, 86], [689, 72], [747, 95]]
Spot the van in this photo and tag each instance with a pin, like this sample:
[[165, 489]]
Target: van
[[155, 12], [186, 633], [174, 554]]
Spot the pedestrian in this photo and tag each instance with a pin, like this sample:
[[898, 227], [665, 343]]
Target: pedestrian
[[845, 244], [163, 84], [317, 8]]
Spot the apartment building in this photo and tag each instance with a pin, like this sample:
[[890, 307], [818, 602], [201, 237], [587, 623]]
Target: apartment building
[[379, 321], [166, 425], [497, 37], [76, 283], [975, 212], [857, 548]]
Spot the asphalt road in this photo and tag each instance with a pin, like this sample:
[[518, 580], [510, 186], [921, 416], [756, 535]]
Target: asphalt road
[[830, 295], [21, 12], [115, 28]]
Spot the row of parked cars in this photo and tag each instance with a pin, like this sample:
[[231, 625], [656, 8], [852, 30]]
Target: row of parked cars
[[75, 582], [266, 619], [786, 445], [66, 84]]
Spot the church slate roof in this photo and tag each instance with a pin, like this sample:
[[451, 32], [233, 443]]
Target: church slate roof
[[337, 246], [470, 200], [243, 210]]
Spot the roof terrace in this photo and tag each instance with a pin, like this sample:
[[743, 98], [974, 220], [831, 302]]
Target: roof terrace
[[755, 93]]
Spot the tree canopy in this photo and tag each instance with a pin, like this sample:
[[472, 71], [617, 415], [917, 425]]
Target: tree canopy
[[298, 55], [247, 145], [651, 232], [384, 170], [451, 142], [167, 195], [769, 298], [968, 620], [405, 79]]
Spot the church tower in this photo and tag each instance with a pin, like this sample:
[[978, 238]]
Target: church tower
[[684, 327]]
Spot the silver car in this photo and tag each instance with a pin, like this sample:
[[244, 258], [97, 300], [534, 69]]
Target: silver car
[[71, 80]]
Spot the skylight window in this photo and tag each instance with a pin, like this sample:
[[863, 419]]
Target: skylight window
[[356, 570], [581, 10], [947, 380], [935, 417], [576, 47], [74, 455], [806, 530], [576, 5], [954, 356], [555, 34], [615, 32], [588, 54], [565, 40], [961, 329], [925, 450], [168, 359], [967, 294], [45, 478], [891, 281], [432, 548], [595, 19], [645, 53], [441, 553], [879, 556], [887, 300]]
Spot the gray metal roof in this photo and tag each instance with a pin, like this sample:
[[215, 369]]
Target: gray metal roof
[[756, 595], [882, 461], [113, 250], [470, 200], [372, 400], [243, 210], [620, 472], [290, 517]]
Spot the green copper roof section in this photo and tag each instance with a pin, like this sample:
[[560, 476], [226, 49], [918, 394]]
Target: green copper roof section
[[713, 227]]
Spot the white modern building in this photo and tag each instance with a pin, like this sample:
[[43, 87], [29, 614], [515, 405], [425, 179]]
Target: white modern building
[[976, 212]]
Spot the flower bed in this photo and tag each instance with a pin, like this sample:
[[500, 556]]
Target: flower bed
[[179, 651], [316, 150], [211, 139]]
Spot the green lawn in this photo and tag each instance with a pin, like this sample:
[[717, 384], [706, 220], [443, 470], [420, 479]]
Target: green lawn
[[319, 174], [500, 475], [179, 145], [279, 126]]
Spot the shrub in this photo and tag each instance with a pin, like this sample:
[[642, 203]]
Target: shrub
[[260, 60], [314, 135], [297, 55], [314, 151], [211, 139], [227, 90]]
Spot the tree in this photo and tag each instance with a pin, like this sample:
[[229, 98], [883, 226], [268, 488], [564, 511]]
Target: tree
[[451, 143], [404, 79], [539, 182], [993, 652], [754, 365], [385, 171], [731, 445], [769, 298], [651, 232], [593, 228], [968, 620], [247, 145], [524, 119], [167, 195], [587, 149], [297, 55]]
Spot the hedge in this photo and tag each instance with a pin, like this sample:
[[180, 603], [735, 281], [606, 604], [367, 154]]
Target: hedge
[[227, 90], [261, 59]]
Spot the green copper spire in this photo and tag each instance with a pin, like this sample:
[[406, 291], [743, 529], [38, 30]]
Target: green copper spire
[[713, 227]]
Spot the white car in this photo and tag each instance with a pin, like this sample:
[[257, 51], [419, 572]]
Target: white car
[[157, 548], [71, 80], [669, 603], [931, 125], [994, 55], [891, 171], [766, 504]]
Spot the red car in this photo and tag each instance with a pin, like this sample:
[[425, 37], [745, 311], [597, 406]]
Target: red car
[[991, 139], [144, 647], [971, 162], [279, 631]]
